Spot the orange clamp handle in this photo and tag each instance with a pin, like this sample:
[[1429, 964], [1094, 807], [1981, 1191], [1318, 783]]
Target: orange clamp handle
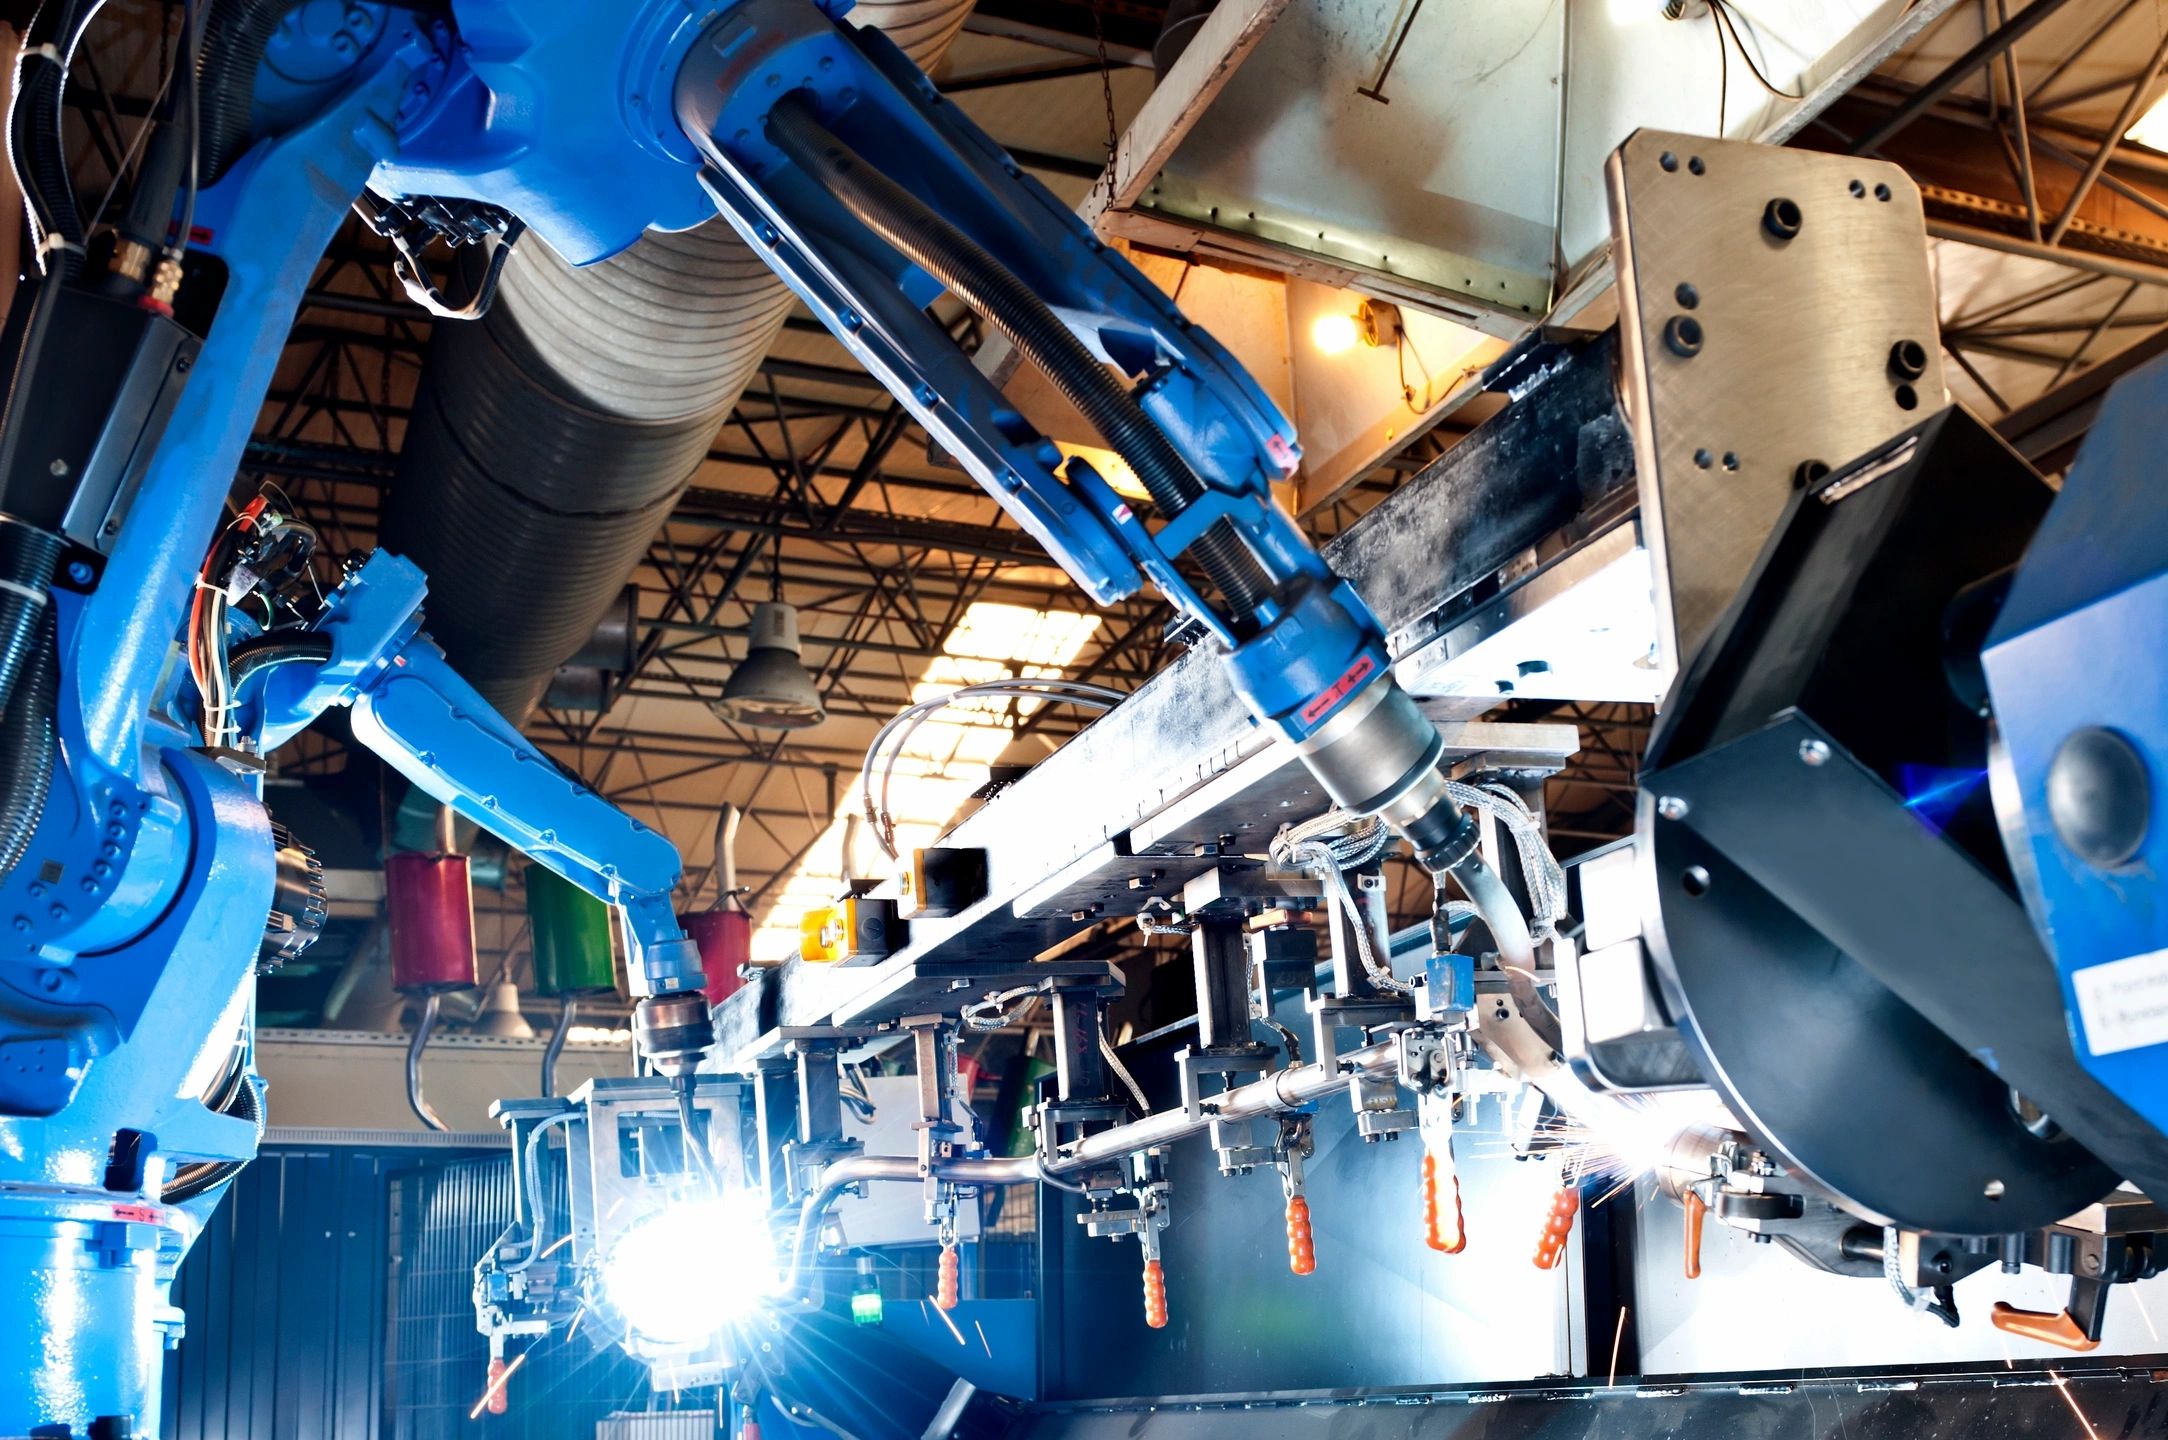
[[1696, 1210], [1155, 1295], [1448, 1240], [2050, 1327], [497, 1400], [945, 1295], [1557, 1225], [1301, 1249]]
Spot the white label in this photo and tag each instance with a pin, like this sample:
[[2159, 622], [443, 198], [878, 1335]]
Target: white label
[[2124, 1003]]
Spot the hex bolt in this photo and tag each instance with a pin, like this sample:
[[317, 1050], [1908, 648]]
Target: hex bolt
[[1683, 336], [1672, 807], [1814, 752], [1782, 218], [79, 572], [1908, 360]]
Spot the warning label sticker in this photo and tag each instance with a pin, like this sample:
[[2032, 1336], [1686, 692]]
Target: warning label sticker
[[2124, 1003]]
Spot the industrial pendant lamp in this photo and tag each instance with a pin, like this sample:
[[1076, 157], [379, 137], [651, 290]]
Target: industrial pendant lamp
[[500, 1016], [770, 688]]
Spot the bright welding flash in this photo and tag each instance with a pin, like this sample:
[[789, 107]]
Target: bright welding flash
[[683, 1274]]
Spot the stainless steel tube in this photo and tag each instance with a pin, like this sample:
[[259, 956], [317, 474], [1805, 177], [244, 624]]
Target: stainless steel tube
[[1276, 1094], [1516, 946], [423, 1027], [842, 1174]]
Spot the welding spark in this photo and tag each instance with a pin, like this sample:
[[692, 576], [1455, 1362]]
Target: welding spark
[[1635, 1141], [496, 1386], [2068, 1399], [2144, 1314], [1618, 1336], [945, 1320]]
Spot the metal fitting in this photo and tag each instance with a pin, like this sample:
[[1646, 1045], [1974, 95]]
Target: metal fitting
[[673, 1031]]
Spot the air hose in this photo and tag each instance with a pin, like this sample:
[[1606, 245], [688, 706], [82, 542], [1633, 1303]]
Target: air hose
[[981, 282]]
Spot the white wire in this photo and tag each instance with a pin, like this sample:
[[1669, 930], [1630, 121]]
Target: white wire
[[995, 1011], [1893, 1271], [1545, 878], [1306, 847], [1121, 1072], [1050, 688], [538, 1223]]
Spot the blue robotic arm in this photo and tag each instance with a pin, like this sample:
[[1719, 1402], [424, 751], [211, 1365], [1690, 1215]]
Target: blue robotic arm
[[414, 710], [140, 885]]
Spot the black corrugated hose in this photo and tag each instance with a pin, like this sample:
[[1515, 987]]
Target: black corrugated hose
[[981, 282], [239, 1100], [29, 682], [30, 743], [234, 36], [35, 138], [275, 648]]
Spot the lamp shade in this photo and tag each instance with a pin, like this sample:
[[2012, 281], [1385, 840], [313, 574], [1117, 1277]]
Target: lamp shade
[[770, 689]]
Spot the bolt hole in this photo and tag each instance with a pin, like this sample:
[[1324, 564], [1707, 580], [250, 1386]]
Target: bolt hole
[[1687, 296], [1668, 160], [1695, 880], [1881, 192], [1908, 360], [1782, 218], [1858, 190], [1696, 166], [1731, 460], [1704, 459], [1907, 398]]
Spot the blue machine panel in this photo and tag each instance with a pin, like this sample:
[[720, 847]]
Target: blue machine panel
[[2075, 667]]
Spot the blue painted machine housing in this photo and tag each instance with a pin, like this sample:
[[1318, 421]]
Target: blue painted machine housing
[[2079, 643], [559, 111], [1315, 641]]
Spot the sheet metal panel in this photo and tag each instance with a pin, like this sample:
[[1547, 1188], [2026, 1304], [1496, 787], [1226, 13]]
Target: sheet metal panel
[[285, 1301]]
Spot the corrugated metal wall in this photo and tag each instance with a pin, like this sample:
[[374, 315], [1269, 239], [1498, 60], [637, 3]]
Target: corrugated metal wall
[[442, 1218], [285, 1299], [329, 1299]]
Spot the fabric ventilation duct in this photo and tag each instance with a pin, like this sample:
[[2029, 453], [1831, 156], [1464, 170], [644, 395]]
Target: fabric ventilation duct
[[550, 439]]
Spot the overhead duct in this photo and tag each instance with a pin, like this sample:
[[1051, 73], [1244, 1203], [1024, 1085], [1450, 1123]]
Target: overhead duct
[[551, 438]]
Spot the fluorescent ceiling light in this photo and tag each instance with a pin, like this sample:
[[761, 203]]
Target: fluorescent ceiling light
[[2151, 130]]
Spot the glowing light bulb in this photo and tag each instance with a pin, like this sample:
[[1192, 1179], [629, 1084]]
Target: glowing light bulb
[[1334, 332], [693, 1267], [2151, 130]]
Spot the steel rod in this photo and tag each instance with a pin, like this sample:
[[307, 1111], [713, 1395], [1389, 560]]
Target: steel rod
[[1276, 1094], [2059, 254], [1956, 72], [2106, 152]]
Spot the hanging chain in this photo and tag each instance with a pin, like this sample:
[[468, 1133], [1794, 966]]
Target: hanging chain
[[1106, 93]]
